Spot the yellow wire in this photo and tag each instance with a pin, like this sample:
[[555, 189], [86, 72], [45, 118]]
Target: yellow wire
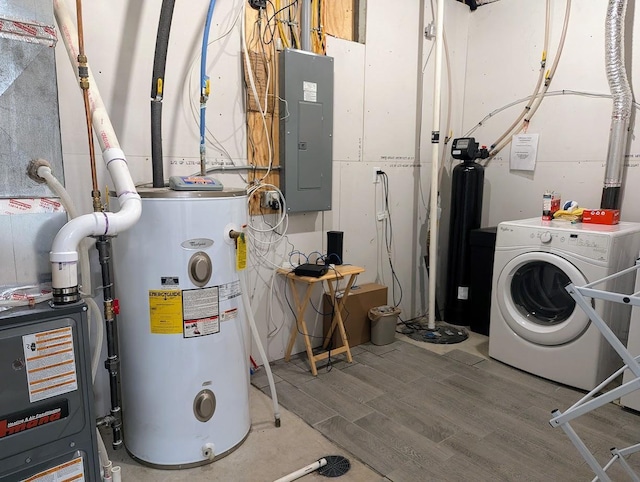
[[296, 31], [314, 38], [283, 37], [323, 21]]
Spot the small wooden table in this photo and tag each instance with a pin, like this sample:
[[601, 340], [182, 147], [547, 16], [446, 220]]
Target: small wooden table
[[332, 277]]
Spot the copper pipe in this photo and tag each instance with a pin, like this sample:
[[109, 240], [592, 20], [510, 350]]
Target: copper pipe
[[83, 74]]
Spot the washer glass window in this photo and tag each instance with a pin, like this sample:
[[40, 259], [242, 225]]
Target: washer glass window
[[537, 290]]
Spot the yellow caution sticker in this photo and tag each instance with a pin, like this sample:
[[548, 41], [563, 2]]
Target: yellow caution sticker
[[241, 253], [165, 312]]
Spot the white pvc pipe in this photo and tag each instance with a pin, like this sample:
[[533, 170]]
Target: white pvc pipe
[[58, 189], [106, 471], [256, 337], [435, 157], [116, 475], [303, 471], [102, 453], [64, 256]]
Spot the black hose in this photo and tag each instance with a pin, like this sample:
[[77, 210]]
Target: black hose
[[157, 89]]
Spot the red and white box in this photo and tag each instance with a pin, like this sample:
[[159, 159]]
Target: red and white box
[[601, 216]]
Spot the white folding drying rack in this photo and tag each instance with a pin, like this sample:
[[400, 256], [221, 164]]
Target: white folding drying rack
[[591, 400]]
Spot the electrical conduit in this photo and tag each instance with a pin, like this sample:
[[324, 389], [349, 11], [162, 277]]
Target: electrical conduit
[[64, 255], [622, 103], [256, 337]]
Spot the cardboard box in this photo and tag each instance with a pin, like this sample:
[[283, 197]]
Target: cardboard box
[[601, 216], [356, 313]]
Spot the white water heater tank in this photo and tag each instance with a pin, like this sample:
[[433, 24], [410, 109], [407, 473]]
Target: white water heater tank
[[182, 328]]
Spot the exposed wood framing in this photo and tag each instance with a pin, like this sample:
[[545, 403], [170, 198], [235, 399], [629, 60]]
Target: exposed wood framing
[[339, 21]]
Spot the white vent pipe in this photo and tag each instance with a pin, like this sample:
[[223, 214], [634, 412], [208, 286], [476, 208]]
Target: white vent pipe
[[64, 254], [435, 167], [622, 103]]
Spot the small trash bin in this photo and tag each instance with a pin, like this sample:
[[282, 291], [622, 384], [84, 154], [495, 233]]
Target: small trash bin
[[383, 324]]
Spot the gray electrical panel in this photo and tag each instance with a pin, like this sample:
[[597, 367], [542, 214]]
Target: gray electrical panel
[[47, 422], [306, 130]]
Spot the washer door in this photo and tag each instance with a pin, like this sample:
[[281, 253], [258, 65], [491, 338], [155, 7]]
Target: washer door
[[533, 300]]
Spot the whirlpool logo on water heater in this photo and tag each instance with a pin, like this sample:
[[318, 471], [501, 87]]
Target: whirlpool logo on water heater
[[197, 243]]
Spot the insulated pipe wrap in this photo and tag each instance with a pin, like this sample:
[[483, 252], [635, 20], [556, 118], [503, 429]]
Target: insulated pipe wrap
[[620, 91], [157, 90]]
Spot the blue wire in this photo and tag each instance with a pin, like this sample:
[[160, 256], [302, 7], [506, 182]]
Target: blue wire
[[203, 75]]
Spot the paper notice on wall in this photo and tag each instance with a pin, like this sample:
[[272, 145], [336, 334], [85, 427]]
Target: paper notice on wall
[[200, 312], [524, 150], [51, 364], [69, 471]]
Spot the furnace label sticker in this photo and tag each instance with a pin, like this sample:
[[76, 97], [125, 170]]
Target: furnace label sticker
[[69, 471], [229, 291], [51, 363], [201, 312], [165, 312]]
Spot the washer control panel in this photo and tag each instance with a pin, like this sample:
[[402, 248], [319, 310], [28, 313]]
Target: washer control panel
[[587, 244]]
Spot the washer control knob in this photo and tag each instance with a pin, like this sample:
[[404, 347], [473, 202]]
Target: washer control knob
[[545, 237], [200, 268]]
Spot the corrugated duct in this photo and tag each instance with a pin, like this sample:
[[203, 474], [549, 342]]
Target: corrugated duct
[[622, 103]]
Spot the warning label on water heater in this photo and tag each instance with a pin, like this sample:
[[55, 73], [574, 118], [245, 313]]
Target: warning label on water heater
[[165, 312], [201, 312], [51, 363]]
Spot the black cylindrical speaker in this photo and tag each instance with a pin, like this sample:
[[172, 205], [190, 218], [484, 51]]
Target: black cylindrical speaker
[[334, 247]]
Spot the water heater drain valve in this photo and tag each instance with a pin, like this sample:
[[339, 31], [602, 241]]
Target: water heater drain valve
[[208, 451]]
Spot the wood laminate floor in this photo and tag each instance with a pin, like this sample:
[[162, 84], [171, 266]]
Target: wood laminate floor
[[415, 415]]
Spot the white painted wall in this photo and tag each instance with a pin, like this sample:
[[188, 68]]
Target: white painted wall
[[376, 92], [505, 43], [494, 53]]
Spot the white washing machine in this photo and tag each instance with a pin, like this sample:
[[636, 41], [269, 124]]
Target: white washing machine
[[535, 324]]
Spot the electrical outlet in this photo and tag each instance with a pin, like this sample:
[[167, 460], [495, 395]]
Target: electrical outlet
[[270, 200], [376, 180]]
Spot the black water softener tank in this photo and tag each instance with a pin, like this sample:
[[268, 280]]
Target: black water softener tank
[[466, 214]]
